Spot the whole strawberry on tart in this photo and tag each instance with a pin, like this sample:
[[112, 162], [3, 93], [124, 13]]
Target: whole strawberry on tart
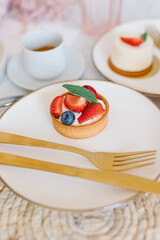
[[132, 54], [79, 113]]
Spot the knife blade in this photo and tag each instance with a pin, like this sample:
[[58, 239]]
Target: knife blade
[[6, 102], [114, 178]]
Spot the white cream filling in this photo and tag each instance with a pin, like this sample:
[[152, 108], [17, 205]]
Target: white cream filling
[[76, 123]]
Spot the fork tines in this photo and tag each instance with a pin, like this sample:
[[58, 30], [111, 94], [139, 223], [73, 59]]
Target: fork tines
[[155, 34], [129, 159]]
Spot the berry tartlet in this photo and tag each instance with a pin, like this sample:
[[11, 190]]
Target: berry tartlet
[[79, 113], [132, 54]]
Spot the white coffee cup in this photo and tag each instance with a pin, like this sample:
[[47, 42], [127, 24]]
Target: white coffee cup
[[43, 64]]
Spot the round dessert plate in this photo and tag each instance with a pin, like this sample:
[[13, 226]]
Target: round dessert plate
[[133, 125], [74, 70], [148, 84]]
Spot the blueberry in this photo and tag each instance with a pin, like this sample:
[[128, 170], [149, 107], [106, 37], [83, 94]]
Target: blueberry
[[67, 117]]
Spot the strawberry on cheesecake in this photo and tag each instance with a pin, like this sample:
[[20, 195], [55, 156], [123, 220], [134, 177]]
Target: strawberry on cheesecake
[[132, 54], [79, 113]]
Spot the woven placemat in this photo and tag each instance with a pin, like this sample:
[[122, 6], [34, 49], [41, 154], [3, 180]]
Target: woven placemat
[[137, 219]]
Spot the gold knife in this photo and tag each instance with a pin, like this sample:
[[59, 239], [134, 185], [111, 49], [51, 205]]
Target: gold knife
[[113, 178]]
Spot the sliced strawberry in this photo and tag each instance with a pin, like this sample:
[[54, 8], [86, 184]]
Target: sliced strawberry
[[91, 112], [75, 103], [56, 106], [133, 41], [92, 90]]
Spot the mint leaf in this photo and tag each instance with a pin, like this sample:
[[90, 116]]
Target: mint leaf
[[144, 36], [81, 91]]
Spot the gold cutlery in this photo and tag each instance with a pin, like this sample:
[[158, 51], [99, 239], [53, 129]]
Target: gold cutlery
[[108, 177], [153, 32], [103, 160]]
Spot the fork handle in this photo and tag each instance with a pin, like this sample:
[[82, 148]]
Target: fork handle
[[27, 141]]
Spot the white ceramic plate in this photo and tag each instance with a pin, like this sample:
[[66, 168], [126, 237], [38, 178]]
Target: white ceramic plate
[[74, 70], [133, 125], [102, 49]]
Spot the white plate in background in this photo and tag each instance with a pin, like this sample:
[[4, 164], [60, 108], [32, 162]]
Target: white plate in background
[[102, 49]]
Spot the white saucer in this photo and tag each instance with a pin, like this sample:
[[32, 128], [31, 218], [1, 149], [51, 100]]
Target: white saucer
[[19, 76]]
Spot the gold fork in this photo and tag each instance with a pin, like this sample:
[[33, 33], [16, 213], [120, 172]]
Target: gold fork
[[154, 33], [103, 160]]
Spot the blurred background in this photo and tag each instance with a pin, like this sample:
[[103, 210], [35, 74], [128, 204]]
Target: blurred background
[[81, 22], [92, 17], [71, 10]]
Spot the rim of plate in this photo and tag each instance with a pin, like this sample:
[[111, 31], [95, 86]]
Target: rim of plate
[[106, 32], [110, 206]]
